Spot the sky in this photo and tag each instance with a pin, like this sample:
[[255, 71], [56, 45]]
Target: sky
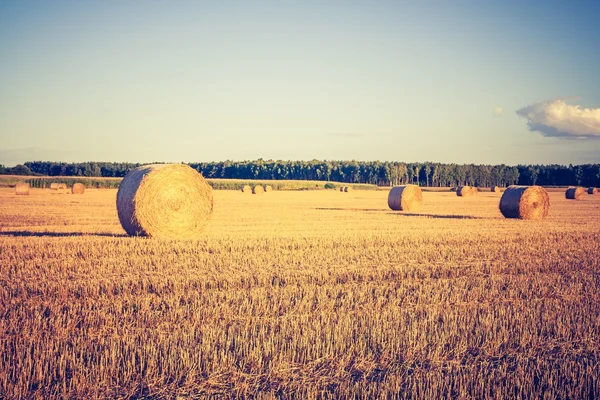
[[485, 82]]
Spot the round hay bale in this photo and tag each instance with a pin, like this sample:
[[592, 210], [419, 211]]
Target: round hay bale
[[165, 201], [405, 198], [342, 188], [474, 191], [347, 189], [246, 189], [496, 189], [78, 188], [525, 202], [592, 190], [22, 188], [464, 191], [268, 188], [575, 193], [54, 186], [258, 189]]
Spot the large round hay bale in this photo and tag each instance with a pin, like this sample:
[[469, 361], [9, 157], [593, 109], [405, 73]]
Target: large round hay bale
[[495, 189], [592, 190], [258, 189], [347, 189], [268, 188], [246, 189], [78, 188], [22, 188], [464, 191], [164, 200], [575, 193], [405, 198], [525, 202]]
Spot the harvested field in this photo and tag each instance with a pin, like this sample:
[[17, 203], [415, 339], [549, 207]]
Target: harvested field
[[301, 294]]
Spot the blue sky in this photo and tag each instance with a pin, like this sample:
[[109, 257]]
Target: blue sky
[[462, 81]]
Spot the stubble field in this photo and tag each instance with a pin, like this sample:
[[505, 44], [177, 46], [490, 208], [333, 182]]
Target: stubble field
[[315, 294]]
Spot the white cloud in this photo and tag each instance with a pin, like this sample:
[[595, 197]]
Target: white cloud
[[498, 111], [556, 118]]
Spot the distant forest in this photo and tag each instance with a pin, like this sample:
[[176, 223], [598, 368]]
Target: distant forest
[[373, 172]]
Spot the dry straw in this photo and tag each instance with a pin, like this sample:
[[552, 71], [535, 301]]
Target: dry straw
[[592, 190], [22, 188], [575, 193], [405, 198], [268, 188], [258, 189], [165, 201], [247, 189], [465, 191], [347, 189], [78, 188], [525, 202]]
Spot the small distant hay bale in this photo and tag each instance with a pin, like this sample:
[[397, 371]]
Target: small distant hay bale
[[347, 189], [405, 198], [465, 191], [496, 189], [22, 188], [165, 201], [474, 191], [78, 188], [592, 190], [342, 188], [575, 193], [54, 186], [246, 189], [268, 188], [258, 189], [525, 202]]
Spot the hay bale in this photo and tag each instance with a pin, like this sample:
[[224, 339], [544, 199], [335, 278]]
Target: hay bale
[[164, 200], [58, 186], [575, 193], [246, 189], [268, 188], [54, 186], [342, 188], [474, 191], [78, 188], [347, 189], [464, 191], [22, 188], [258, 189], [405, 198], [592, 190], [525, 202], [496, 189]]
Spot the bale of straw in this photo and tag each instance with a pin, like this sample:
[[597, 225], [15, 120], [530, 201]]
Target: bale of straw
[[464, 191], [592, 190], [496, 189], [474, 191], [165, 201], [575, 193], [22, 188], [342, 188], [54, 186], [78, 188], [268, 188], [258, 189], [347, 189], [247, 189], [525, 202], [405, 198]]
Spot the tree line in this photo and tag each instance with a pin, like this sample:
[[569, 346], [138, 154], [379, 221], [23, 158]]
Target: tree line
[[381, 173]]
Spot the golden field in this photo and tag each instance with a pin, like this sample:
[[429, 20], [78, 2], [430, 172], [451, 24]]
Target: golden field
[[312, 294]]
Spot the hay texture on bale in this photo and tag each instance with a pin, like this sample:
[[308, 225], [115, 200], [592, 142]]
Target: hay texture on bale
[[592, 190], [22, 188], [405, 198], [78, 188], [247, 189], [525, 202], [164, 201], [268, 188], [575, 193], [258, 189], [465, 191], [347, 189]]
